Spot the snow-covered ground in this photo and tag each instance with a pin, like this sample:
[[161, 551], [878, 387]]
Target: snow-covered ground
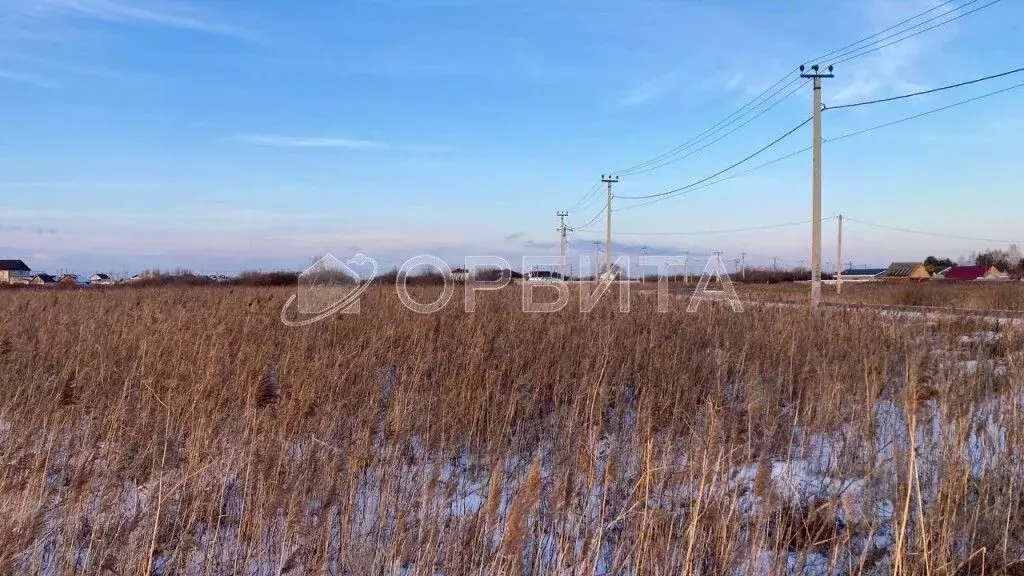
[[846, 486]]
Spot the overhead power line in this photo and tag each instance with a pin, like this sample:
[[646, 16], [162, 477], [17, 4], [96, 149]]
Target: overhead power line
[[878, 40], [877, 34], [718, 181], [883, 43], [586, 198], [923, 114], [713, 128], [725, 135], [709, 232], [724, 170], [827, 141], [923, 92], [594, 219], [936, 234]]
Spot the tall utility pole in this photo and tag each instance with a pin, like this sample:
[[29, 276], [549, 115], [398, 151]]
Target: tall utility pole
[[597, 258], [743, 264], [839, 258], [608, 180], [562, 230], [816, 75], [686, 269], [736, 265]]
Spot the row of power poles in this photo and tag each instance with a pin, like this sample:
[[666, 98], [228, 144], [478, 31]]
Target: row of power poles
[[816, 74]]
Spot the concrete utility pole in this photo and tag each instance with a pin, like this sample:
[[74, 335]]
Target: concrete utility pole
[[736, 265], [743, 264], [597, 259], [686, 268], [816, 75], [775, 263], [562, 230], [643, 253], [839, 258], [608, 180]]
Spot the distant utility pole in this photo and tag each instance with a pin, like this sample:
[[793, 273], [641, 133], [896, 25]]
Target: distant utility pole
[[816, 75], [775, 263], [736, 265], [597, 258], [743, 264], [643, 253], [562, 230], [608, 180], [686, 268], [839, 258]]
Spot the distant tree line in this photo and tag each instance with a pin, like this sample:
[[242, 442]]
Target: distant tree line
[[1010, 260]]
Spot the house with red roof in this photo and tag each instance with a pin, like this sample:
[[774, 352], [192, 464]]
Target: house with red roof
[[967, 273]]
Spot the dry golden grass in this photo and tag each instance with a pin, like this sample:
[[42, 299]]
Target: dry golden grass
[[950, 295], [187, 431]]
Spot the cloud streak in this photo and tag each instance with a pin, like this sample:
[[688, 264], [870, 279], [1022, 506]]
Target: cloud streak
[[25, 79], [651, 90], [888, 70], [161, 13], [307, 142]]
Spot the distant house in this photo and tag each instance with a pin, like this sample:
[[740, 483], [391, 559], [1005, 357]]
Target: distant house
[[544, 276], [906, 271], [14, 272], [43, 280], [940, 274], [67, 280], [863, 273], [100, 279], [968, 273], [997, 276]]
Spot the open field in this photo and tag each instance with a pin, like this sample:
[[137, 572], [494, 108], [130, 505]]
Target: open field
[[187, 431]]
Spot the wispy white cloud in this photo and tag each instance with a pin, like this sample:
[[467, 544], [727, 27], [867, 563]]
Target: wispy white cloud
[[153, 12], [651, 89], [30, 29], [51, 66], [891, 69], [307, 141], [29, 79]]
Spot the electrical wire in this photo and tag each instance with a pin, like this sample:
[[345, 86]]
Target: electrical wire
[[714, 182], [853, 54], [720, 172], [936, 234], [845, 53], [711, 130], [922, 114], [583, 202], [923, 92], [879, 33], [709, 232], [825, 141], [707, 145], [592, 220]]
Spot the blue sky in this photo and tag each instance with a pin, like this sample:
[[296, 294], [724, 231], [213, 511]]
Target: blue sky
[[227, 135]]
